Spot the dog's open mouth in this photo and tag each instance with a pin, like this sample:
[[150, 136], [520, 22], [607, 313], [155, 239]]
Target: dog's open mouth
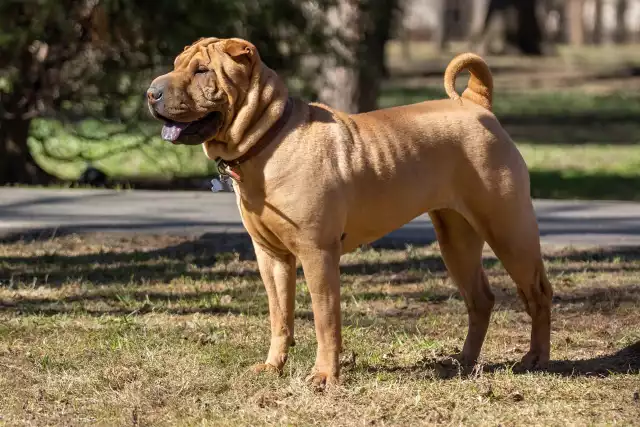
[[192, 133]]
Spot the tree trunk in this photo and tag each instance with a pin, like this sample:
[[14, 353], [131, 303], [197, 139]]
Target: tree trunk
[[575, 17], [377, 22], [520, 29], [441, 35], [596, 36], [620, 34], [351, 78], [17, 165], [478, 15], [484, 26], [527, 36], [339, 81]]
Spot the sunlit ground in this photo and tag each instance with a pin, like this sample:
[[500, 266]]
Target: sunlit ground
[[161, 330]]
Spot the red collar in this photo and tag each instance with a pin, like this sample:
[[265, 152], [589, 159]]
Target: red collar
[[225, 167]]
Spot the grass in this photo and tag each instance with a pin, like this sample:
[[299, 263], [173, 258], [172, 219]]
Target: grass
[[152, 330], [590, 171]]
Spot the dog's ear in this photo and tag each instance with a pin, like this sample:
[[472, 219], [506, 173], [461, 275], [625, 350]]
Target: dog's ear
[[239, 49]]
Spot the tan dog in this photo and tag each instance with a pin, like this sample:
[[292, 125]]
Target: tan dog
[[313, 183]]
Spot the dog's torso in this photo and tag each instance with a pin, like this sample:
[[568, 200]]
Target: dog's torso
[[350, 179]]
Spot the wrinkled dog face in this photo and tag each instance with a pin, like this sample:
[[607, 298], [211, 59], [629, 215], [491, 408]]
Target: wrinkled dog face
[[198, 99]]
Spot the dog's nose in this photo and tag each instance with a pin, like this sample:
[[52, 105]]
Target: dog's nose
[[154, 94]]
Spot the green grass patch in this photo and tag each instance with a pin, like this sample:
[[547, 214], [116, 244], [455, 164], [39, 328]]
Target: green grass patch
[[66, 151], [604, 172]]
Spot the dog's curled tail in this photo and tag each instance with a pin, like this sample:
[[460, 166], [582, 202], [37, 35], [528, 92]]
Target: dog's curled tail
[[480, 86]]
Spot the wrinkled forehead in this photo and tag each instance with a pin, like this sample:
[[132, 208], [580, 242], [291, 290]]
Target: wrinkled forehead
[[192, 50]]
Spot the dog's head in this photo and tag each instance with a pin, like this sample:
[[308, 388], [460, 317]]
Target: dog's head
[[200, 98]]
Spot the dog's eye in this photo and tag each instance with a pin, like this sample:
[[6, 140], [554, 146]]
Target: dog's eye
[[202, 70]]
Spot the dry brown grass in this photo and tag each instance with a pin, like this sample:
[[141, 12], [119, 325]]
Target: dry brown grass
[[160, 331]]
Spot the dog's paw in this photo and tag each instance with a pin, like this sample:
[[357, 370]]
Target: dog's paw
[[454, 365], [448, 367], [265, 367], [532, 361], [321, 380]]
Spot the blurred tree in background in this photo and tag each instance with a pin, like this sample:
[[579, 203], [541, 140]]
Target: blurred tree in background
[[77, 59], [352, 75], [512, 24], [73, 73], [521, 28]]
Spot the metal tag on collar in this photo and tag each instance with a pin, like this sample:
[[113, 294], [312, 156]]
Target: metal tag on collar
[[222, 183]]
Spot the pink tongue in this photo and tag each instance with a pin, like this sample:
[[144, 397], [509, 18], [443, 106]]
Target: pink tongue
[[171, 131]]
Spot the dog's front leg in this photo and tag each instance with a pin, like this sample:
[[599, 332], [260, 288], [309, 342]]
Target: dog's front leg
[[278, 273], [322, 272]]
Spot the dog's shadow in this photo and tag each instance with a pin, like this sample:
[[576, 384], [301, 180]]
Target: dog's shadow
[[624, 361]]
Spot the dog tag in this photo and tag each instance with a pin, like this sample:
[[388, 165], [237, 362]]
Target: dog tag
[[223, 184], [216, 185]]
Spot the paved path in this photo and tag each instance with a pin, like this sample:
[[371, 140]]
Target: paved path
[[196, 213]]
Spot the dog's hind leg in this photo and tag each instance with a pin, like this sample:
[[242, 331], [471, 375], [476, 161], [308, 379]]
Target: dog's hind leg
[[461, 249], [512, 232]]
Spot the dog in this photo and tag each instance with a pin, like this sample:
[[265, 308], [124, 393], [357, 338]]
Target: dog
[[313, 183]]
